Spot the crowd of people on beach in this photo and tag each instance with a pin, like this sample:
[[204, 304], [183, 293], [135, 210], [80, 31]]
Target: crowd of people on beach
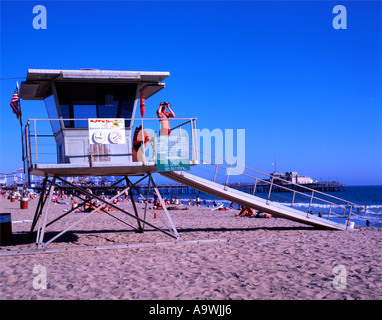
[[88, 203], [18, 194], [85, 202]]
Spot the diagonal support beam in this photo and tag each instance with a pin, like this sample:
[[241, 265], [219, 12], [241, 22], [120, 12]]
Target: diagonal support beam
[[169, 219], [42, 218], [116, 207], [128, 182], [91, 212]]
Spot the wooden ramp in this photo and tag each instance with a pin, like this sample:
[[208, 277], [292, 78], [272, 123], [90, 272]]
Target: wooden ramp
[[245, 199]]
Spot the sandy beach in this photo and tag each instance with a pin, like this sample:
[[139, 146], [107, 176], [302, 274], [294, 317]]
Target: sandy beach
[[261, 259]]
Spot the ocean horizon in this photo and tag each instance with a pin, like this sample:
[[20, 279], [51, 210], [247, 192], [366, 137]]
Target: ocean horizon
[[369, 196]]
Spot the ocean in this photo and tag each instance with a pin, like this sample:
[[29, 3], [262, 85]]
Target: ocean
[[369, 196]]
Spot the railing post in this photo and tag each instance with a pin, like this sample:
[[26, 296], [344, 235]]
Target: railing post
[[310, 203], [35, 141], [30, 143], [216, 171], [27, 145], [294, 194], [194, 139], [347, 223], [229, 171], [254, 188], [270, 190], [197, 153], [330, 211]]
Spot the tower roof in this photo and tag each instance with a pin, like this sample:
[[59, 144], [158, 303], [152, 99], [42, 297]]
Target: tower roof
[[38, 84]]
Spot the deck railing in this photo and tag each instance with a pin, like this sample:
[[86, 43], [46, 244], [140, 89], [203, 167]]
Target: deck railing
[[40, 146], [284, 192]]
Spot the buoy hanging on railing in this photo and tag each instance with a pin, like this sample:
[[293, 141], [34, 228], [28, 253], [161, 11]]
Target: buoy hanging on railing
[[142, 98]]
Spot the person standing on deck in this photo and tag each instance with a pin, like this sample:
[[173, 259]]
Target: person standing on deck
[[163, 114]]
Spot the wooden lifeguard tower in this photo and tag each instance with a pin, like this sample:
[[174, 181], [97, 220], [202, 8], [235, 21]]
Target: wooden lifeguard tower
[[92, 115]]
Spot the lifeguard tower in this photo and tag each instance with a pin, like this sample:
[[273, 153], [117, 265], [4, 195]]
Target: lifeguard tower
[[92, 114]]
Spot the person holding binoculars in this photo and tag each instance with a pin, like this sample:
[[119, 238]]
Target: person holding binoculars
[[163, 116]]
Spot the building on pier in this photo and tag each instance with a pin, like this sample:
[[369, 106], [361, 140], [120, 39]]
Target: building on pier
[[292, 177]]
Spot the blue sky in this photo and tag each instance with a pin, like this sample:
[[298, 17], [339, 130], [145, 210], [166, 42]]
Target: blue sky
[[304, 92]]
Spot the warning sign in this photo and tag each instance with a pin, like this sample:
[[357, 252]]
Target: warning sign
[[107, 131]]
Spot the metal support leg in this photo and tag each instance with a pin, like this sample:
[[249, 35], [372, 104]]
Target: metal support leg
[[40, 235], [45, 196], [115, 207], [42, 218], [39, 206], [88, 215], [140, 229], [147, 200]]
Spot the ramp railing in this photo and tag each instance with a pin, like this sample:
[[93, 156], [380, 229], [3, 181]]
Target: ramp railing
[[274, 189]]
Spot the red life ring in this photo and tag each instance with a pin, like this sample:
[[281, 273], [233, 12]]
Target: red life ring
[[142, 98], [138, 141]]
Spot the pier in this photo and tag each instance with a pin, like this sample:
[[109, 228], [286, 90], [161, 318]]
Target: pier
[[252, 188], [179, 189]]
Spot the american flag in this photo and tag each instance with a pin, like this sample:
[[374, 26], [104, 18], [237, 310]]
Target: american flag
[[15, 103]]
